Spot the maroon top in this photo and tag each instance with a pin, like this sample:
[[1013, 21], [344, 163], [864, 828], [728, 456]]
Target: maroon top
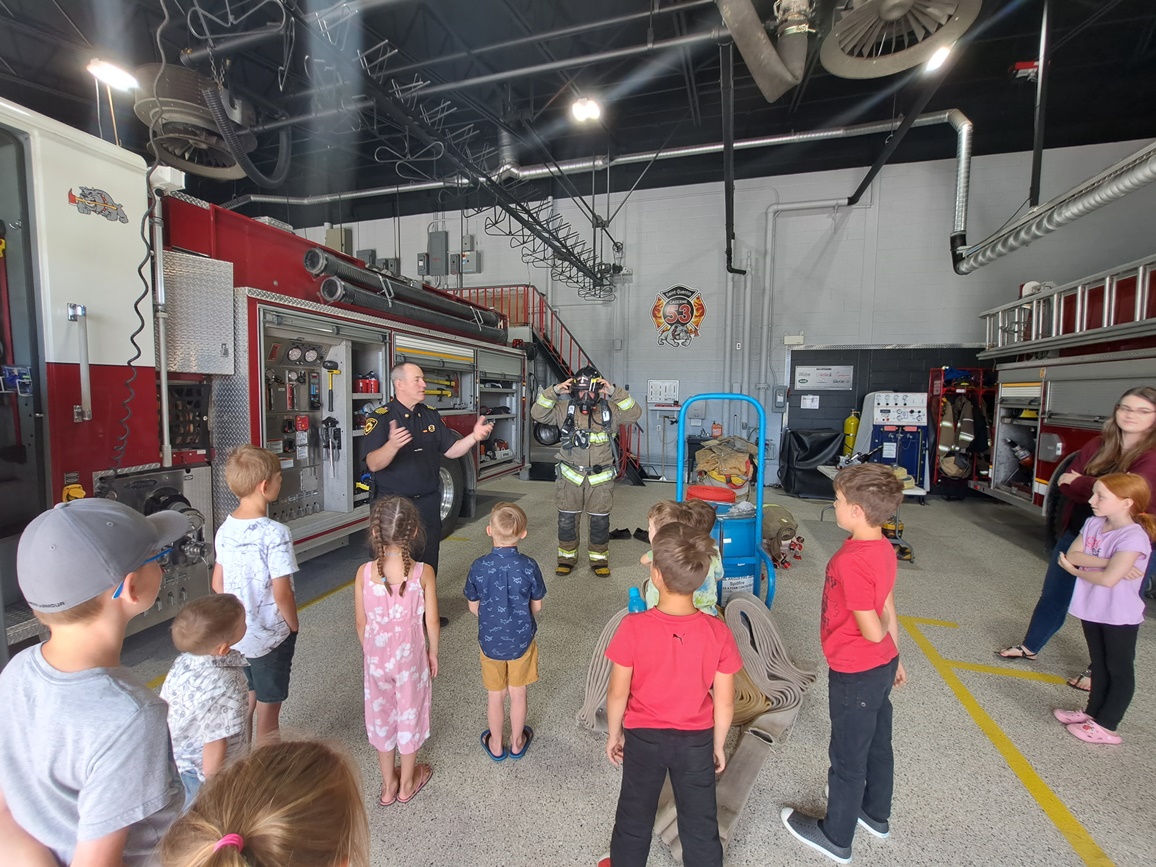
[[1077, 493]]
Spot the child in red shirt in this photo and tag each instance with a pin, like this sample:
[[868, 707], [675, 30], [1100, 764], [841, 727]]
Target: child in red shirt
[[659, 709], [860, 635]]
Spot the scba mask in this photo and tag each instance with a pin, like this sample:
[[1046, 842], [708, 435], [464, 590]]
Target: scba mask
[[587, 389]]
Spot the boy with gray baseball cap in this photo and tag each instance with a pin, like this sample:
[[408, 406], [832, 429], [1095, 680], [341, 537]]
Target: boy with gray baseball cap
[[86, 768]]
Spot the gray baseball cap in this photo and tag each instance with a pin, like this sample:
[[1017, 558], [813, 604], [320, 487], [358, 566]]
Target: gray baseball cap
[[78, 550]]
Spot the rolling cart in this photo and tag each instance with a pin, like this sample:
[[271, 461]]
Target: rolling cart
[[739, 537]]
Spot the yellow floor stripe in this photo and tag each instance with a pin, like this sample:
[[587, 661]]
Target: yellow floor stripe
[[1067, 824], [1006, 672], [156, 682]]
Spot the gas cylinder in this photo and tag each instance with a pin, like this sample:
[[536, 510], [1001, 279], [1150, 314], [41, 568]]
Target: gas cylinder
[[850, 429], [716, 430]]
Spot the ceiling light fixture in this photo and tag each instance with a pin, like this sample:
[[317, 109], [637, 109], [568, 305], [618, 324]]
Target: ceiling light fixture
[[938, 58], [112, 75], [585, 109]]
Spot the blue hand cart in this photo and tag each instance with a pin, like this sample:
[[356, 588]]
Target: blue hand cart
[[739, 537]]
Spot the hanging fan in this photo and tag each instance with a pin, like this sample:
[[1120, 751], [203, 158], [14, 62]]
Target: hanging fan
[[874, 38], [184, 133]]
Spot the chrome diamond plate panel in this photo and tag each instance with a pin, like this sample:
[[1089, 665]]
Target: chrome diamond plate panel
[[198, 295], [229, 408]]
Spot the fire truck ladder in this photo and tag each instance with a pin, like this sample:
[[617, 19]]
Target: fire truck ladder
[[525, 306], [1107, 307]]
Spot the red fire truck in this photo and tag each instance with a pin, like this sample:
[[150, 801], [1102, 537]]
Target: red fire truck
[[140, 346], [1064, 355]]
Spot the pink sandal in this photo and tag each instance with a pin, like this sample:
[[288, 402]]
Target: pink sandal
[[1093, 733], [1070, 717]]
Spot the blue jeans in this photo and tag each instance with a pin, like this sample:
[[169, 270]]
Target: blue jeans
[[1055, 598], [862, 773], [192, 784]]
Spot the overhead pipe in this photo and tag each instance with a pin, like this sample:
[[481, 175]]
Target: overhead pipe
[[193, 57], [711, 35], [1115, 182], [561, 33], [334, 290], [271, 125], [321, 263], [957, 119], [727, 87], [775, 66], [1041, 104]]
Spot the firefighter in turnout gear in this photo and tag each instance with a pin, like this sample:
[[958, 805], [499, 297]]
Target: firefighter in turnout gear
[[587, 411]]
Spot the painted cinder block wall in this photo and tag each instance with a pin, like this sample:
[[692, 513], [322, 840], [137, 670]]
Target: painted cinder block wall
[[878, 273]]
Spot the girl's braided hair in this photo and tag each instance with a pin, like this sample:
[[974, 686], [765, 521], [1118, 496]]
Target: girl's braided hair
[[394, 522]]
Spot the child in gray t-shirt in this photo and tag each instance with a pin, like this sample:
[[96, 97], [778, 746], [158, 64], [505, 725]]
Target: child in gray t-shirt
[[86, 771]]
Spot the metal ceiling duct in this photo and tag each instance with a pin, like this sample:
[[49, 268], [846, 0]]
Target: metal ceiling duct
[[874, 38], [775, 66], [1115, 182]]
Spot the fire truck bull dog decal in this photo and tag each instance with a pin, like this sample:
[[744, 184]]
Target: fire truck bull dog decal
[[93, 201], [677, 313]]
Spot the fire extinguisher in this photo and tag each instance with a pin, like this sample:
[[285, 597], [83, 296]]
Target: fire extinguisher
[[850, 429]]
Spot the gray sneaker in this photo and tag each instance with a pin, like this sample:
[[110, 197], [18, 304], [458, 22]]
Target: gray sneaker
[[882, 830], [806, 830]]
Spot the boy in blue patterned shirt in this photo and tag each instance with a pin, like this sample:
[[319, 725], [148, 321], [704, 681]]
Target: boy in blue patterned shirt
[[505, 591]]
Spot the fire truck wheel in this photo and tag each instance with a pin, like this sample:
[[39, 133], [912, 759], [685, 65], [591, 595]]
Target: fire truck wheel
[[1054, 504], [453, 490]]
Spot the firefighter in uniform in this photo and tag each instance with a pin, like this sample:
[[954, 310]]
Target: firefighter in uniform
[[587, 410], [405, 441]]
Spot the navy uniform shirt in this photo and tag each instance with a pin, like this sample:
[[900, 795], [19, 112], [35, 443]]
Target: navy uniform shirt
[[504, 581], [414, 470]]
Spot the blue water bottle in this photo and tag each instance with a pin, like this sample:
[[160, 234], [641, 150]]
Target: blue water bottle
[[636, 604]]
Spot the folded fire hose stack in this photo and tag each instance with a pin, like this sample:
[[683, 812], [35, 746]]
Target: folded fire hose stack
[[768, 692]]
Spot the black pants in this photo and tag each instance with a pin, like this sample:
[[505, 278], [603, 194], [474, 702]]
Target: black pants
[[1113, 650], [862, 773], [647, 757], [429, 507]]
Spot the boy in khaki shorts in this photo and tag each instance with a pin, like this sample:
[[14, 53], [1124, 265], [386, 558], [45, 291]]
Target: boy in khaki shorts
[[505, 591]]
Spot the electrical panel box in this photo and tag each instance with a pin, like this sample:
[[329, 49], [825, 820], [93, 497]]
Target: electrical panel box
[[423, 264], [340, 238], [455, 263], [438, 248], [471, 262], [467, 243], [367, 256], [390, 266], [780, 398], [662, 391]]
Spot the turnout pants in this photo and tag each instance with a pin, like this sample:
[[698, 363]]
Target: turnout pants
[[572, 500]]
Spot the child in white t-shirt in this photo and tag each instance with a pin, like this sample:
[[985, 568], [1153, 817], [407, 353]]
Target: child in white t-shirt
[[206, 689], [255, 562]]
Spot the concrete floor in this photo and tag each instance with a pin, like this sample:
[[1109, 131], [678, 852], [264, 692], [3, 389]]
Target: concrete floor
[[984, 774]]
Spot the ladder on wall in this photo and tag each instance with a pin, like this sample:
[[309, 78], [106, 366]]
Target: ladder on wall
[[1110, 306], [524, 305]]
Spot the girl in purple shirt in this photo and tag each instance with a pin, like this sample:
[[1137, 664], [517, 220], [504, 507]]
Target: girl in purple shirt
[[1113, 542]]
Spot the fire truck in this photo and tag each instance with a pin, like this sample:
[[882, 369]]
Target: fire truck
[[144, 337], [1064, 356]]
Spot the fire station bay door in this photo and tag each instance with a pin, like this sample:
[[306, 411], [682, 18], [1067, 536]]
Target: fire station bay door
[[23, 492]]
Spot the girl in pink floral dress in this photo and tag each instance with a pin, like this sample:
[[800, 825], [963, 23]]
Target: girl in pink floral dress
[[393, 595]]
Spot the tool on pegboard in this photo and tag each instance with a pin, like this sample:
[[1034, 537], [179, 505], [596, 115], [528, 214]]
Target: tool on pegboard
[[331, 442], [333, 370]]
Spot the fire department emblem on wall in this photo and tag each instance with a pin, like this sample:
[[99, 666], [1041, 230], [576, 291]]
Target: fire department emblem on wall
[[677, 313], [93, 201]]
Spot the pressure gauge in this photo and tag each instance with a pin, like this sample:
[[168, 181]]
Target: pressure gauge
[[312, 354], [294, 354]]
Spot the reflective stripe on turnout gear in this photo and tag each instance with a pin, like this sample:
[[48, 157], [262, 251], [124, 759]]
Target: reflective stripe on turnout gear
[[546, 402], [563, 554], [570, 475], [601, 478], [599, 556], [600, 437], [626, 404]]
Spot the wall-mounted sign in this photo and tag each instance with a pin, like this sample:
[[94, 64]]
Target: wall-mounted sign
[[836, 378], [677, 313]]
